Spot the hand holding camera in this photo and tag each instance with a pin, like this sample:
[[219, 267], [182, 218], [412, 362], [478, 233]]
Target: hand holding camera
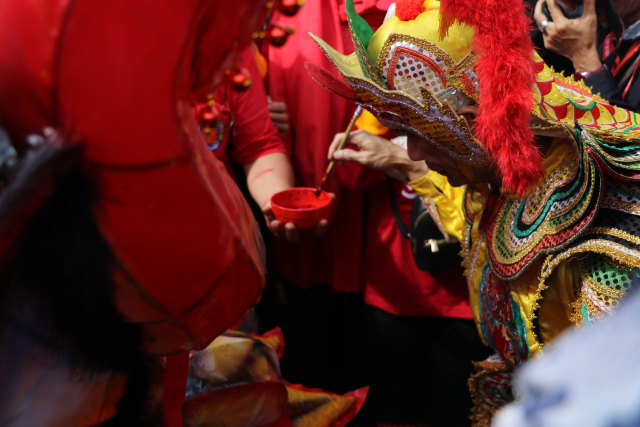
[[571, 33]]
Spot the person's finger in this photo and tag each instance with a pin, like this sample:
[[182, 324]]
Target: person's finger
[[276, 227], [334, 144], [267, 211], [291, 233], [538, 14], [282, 127], [321, 228], [277, 107], [349, 155], [279, 117], [556, 13], [358, 137]]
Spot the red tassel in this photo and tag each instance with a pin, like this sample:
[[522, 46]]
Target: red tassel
[[505, 76], [406, 10]]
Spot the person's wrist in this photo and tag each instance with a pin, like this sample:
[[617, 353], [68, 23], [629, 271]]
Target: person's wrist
[[581, 75], [412, 169], [588, 63]]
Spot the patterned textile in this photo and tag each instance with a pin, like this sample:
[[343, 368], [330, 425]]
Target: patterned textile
[[490, 389], [501, 322], [603, 285], [567, 253]]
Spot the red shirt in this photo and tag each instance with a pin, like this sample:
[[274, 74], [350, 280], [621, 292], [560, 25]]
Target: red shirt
[[244, 130], [391, 280]]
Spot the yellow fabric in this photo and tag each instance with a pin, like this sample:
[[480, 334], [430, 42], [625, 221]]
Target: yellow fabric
[[368, 122], [475, 257], [526, 291], [556, 306], [447, 198], [425, 26], [563, 100], [346, 64]]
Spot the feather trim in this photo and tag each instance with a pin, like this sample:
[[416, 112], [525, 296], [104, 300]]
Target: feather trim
[[506, 76]]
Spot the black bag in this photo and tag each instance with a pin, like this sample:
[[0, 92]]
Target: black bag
[[432, 252]]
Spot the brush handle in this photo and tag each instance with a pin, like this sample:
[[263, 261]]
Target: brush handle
[[344, 139]]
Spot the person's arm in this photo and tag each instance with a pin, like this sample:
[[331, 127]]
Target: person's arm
[[268, 175], [382, 154], [258, 147]]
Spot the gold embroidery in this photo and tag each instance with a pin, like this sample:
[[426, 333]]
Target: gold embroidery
[[631, 207], [616, 233], [364, 59], [519, 248], [624, 256], [482, 410], [436, 132]]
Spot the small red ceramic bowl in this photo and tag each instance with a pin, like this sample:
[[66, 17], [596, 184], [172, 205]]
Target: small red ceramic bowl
[[301, 206]]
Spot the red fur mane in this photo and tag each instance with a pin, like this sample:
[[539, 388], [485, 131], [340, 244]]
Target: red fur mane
[[506, 76]]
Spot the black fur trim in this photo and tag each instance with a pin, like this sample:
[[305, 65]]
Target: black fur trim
[[62, 263]]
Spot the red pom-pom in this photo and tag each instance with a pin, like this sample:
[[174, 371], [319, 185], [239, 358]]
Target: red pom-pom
[[289, 7], [277, 34], [406, 10], [239, 79]]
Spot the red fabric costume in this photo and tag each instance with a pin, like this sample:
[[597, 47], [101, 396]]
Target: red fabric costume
[[117, 79], [167, 205]]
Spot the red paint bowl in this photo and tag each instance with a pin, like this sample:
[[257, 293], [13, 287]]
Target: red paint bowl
[[301, 206]]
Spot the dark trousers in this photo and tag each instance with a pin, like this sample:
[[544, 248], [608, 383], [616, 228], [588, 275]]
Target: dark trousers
[[418, 369], [317, 325]]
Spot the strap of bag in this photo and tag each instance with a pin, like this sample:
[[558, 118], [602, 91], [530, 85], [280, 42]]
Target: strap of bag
[[396, 212]]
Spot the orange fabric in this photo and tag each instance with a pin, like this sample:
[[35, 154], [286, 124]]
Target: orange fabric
[[261, 61]]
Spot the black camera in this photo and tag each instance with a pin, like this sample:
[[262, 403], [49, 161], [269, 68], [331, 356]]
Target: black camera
[[575, 13]]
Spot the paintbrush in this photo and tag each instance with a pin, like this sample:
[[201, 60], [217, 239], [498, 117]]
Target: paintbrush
[[344, 139]]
